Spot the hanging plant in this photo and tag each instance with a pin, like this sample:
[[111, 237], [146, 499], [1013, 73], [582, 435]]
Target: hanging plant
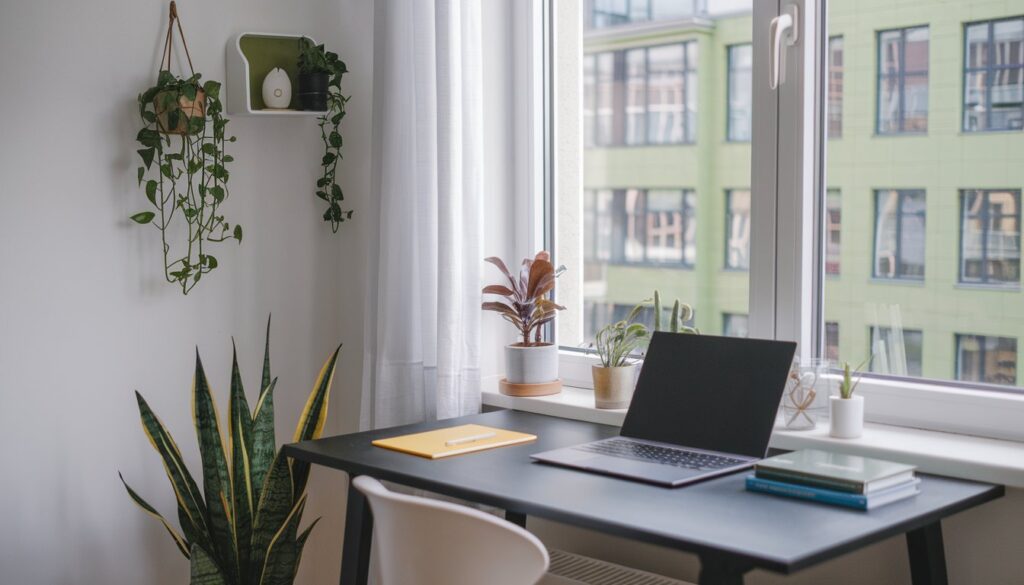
[[184, 168], [320, 73]]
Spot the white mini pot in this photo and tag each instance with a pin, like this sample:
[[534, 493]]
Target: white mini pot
[[533, 364], [613, 387], [847, 415]]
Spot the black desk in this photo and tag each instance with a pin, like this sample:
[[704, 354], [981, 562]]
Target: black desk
[[732, 530]]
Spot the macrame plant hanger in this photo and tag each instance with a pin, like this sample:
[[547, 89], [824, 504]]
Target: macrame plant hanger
[[188, 108]]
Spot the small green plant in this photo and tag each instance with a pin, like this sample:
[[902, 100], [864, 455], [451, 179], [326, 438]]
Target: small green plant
[[847, 385], [242, 528], [184, 173], [681, 313], [616, 342], [315, 59]]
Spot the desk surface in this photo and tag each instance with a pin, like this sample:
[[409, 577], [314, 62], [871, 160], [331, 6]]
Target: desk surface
[[714, 517]]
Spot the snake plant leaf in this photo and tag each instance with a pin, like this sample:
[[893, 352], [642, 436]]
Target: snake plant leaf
[[243, 503], [203, 569], [300, 543], [192, 514], [216, 478], [282, 553], [311, 423], [275, 502], [264, 445], [265, 380], [178, 540]]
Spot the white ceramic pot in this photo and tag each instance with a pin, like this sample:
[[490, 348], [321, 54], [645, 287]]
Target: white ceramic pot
[[847, 416], [534, 364], [613, 387], [277, 89]]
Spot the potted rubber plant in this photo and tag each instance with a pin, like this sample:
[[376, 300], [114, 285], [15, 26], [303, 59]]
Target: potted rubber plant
[[523, 301], [242, 526], [846, 411]]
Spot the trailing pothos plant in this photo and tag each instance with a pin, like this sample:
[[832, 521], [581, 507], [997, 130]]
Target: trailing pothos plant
[[184, 173], [316, 60], [242, 526]]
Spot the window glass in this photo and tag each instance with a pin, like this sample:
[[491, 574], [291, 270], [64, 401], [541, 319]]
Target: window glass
[[666, 94], [990, 237], [737, 220], [832, 341], [604, 82], [611, 13], [903, 80], [734, 325], [994, 75], [899, 233], [987, 359], [740, 60], [896, 351], [835, 87], [589, 99], [636, 96], [833, 233]]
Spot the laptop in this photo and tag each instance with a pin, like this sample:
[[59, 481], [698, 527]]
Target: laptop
[[704, 406]]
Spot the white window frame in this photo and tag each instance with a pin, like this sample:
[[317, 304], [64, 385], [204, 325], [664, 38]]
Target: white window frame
[[788, 157]]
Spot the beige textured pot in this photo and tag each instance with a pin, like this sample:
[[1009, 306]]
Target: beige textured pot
[[613, 387]]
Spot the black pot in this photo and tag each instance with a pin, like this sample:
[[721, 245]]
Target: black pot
[[313, 91]]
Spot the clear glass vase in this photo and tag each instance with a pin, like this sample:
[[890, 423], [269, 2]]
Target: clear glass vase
[[805, 399]]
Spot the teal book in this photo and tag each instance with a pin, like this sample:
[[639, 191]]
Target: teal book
[[834, 471], [832, 497]]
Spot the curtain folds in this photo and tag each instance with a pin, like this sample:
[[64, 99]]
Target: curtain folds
[[422, 326]]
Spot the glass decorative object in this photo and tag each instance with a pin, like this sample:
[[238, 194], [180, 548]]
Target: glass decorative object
[[805, 399]]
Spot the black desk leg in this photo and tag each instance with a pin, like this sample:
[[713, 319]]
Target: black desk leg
[[717, 570], [355, 553], [516, 518], [927, 556]]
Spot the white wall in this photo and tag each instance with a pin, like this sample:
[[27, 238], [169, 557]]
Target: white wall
[[84, 315]]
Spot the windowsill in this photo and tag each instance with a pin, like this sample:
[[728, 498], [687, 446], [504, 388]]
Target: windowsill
[[990, 287], [950, 454], [900, 135], [897, 281], [989, 132]]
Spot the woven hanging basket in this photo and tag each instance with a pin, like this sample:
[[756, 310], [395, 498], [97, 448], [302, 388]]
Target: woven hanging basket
[[187, 108]]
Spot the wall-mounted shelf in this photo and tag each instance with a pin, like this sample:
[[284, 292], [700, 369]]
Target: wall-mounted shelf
[[250, 56]]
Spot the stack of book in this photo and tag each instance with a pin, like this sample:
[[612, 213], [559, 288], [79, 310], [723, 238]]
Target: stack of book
[[832, 478]]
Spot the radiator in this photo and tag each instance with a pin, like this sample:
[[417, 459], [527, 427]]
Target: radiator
[[571, 569]]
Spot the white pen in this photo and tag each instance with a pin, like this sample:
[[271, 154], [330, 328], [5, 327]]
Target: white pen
[[469, 439]]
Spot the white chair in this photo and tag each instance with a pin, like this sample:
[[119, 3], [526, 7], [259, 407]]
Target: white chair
[[418, 541]]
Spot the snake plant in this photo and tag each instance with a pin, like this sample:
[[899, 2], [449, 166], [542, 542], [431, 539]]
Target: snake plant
[[242, 526]]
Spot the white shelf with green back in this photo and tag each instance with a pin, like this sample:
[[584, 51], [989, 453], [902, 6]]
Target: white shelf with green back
[[250, 56]]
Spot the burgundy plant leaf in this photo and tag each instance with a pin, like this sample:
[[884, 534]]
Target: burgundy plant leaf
[[538, 271], [498, 289]]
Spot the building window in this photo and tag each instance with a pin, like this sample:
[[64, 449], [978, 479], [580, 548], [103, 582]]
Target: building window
[[835, 87], [896, 351], [740, 107], [994, 75], [985, 358], [990, 236], [640, 226], [646, 95], [903, 80], [899, 234], [737, 227], [735, 325], [832, 341], [833, 235], [609, 13]]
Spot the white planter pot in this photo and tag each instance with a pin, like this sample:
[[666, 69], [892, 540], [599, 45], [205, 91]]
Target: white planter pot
[[535, 364], [613, 387], [847, 416]]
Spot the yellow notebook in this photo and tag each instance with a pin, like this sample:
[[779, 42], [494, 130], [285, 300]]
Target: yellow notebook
[[454, 441]]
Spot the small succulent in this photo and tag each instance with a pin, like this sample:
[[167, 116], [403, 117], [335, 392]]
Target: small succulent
[[681, 313], [524, 302], [847, 385], [616, 342]]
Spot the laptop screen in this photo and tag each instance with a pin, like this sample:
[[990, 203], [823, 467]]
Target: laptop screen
[[707, 392]]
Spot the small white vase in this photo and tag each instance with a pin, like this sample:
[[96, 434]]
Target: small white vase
[[277, 89], [533, 364], [847, 416], [613, 387]]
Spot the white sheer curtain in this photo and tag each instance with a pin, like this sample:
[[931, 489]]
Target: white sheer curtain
[[422, 327]]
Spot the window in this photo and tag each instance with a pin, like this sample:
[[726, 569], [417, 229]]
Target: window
[[835, 87], [609, 13], [896, 351], [740, 107], [734, 325], [737, 221], [990, 237], [640, 226], [832, 341], [987, 359], [645, 95], [899, 234], [833, 235], [903, 80], [994, 75]]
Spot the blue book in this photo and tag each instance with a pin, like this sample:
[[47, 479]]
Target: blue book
[[833, 497]]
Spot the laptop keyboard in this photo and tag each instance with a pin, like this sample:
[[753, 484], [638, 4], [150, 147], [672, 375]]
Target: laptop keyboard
[[663, 455]]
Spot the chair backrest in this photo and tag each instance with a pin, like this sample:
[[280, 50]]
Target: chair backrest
[[418, 541]]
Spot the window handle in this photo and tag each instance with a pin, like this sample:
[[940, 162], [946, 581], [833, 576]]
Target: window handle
[[784, 27]]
